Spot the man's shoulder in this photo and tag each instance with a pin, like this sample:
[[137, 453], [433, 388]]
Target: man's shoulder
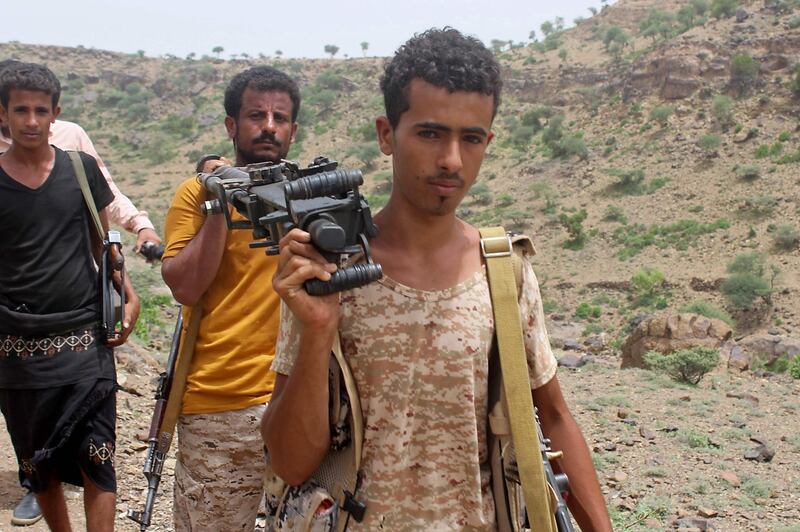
[[189, 188]]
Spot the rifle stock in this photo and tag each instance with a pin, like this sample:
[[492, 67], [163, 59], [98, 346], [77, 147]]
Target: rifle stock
[[169, 400]]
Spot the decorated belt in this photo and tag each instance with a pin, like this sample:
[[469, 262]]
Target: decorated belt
[[46, 346]]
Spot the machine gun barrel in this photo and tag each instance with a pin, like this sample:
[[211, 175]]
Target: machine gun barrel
[[323, 184]]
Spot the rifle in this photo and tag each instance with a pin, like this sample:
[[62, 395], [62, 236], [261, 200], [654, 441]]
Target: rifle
[[169, 396], [558, 482]]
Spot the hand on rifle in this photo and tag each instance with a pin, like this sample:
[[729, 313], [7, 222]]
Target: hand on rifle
[[132, 304]]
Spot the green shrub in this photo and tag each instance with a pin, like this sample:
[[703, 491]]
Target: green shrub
[[535, 117], [661, 114], [586, 311], [748, 172], [722, 110], [615, 214], [794, 84], [571, 145], [680, 235], [758, 207], [366, 152], [794, 367], [480, 194], [708, 310], [709, 144], [787, 237], [647, 285], [744, 70], [521, 136], [723, 8], [748, 281], [684, 365], [574, 226], [794, 22], [762, 151], [784, 136]]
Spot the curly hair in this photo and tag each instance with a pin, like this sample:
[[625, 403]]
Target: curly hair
[[442, 57], [28, 77], [260, 78]]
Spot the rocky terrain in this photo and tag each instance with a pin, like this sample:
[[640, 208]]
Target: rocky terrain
[[646, 149]]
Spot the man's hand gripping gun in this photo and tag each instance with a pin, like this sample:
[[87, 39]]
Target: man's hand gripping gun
[[159, 439], [321, 200]]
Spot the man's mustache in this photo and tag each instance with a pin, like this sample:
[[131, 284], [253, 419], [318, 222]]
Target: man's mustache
[[269, 137], [444, 178]]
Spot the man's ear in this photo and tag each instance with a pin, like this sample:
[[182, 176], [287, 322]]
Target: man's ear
[[56, 112], [489, 138], [230, 125], [294, 132], [385, 134]]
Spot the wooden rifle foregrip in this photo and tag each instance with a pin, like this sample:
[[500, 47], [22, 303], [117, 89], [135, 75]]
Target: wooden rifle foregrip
[[116, 260], [177, 386]]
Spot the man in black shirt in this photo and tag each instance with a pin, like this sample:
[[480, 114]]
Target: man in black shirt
[[57, 378]]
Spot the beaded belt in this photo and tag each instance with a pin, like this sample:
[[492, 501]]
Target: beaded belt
[[25, 347]]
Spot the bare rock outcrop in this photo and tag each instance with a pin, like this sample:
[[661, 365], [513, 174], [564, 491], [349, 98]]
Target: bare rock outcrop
[[669, 332]]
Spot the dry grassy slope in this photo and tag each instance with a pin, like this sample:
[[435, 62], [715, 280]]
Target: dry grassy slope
[[698, 188]]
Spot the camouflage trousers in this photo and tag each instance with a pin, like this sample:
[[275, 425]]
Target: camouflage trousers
[[220, 471]]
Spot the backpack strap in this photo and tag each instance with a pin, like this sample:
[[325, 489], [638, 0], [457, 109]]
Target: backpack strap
[[80, 173], [497, 250]]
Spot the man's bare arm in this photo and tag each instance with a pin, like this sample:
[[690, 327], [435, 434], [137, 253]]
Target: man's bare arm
[[585, 500], [189, 273], [295, 427]]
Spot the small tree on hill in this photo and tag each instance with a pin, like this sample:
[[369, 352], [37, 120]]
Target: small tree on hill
[[364, 46], [794, 85], [722, 110], [574, 226], [661, 114], [748, 281], [744, 71], [278, 53], [218, 50], [684, 365], [331, 49], [724, 8]]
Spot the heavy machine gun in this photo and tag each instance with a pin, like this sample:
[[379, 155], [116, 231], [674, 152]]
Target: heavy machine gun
[[320, 199]]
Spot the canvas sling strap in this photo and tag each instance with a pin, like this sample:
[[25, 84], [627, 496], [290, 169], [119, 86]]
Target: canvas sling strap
[[343, 491], [497, 250], [80, 173]]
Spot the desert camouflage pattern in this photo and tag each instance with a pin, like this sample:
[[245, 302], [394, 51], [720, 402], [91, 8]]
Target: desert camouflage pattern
[[220, 471], [420, 360], [307, 508]]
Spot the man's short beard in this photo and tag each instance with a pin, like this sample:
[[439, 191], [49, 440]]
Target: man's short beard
[[249, 157]]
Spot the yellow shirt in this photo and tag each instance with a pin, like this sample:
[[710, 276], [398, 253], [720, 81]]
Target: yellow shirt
[[235, 346]]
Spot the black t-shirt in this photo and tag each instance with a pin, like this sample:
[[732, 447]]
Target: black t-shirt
[[45, 247], [48, 281]]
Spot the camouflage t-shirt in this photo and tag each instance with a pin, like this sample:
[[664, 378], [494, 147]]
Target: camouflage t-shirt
[[420, 360]]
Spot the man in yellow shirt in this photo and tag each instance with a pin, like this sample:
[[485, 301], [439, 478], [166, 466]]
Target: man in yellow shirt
[[220, 468]]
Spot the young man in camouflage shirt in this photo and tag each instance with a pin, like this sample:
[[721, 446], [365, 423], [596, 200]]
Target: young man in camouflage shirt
[[418, 341]]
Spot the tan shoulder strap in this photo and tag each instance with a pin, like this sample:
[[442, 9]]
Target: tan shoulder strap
[[80, 173], [496, 247], [357, 434]]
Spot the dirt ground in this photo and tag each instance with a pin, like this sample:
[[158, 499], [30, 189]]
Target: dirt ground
[[663, 451]]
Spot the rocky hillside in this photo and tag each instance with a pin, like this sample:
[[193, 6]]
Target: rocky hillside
[[674, 129], [652, 150]]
